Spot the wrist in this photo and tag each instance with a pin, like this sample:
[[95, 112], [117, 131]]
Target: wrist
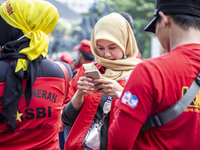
[[77, 100], [77, 103]]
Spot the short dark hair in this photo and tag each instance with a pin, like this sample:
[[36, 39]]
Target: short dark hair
[[128, 17], [186, 21], [88, 57]]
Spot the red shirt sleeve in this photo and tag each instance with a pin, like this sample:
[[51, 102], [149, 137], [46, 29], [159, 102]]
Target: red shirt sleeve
[[123, 131]]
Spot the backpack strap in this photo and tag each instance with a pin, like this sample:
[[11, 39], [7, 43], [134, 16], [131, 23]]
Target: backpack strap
[[66, 75], [176, 109]]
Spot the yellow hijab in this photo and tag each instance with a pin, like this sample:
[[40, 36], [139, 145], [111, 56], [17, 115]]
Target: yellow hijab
[[35, 25], [115, 28]]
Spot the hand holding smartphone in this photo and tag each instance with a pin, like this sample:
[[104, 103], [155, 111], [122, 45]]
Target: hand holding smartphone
[[94, 75]]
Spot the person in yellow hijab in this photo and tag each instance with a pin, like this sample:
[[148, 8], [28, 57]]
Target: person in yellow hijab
[[114, 46], [29, 107]]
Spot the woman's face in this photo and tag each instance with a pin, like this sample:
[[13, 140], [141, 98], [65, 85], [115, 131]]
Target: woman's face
[[109, 50]]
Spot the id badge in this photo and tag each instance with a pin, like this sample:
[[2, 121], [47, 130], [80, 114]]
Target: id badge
[[107, 107]]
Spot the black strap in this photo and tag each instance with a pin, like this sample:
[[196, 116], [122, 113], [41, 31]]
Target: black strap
[[104, 128], [1, 118], [99, 111], [176, 109], [104, 133]]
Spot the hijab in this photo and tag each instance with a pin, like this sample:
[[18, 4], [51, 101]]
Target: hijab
[[8, 33], [27, 24], [116, 29]]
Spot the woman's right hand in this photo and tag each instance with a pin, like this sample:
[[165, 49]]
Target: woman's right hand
[[85, 86]]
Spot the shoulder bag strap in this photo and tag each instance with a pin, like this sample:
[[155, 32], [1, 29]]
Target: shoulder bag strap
[[176, 109]]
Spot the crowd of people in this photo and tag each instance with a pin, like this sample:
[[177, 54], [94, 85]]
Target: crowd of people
[[125, 103]]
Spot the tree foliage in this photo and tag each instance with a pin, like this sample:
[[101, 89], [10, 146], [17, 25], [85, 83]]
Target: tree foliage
[[142, 13], [140, 10]]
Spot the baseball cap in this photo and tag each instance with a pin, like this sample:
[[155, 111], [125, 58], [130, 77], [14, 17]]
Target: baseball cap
[[84, 46], [184, 7], [66, 57]]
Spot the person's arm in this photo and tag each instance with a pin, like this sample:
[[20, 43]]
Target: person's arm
[[123, 131], [132, 109], [69, 114], [72, 109]]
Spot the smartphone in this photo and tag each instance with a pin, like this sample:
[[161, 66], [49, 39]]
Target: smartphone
[[92, 74]]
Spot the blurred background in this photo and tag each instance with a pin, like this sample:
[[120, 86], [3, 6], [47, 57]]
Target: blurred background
[[78, 17]]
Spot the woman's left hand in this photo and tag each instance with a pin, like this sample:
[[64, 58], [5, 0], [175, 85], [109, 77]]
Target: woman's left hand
[[108, 87]]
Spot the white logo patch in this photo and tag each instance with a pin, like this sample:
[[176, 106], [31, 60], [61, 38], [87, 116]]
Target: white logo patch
[[129, 99]]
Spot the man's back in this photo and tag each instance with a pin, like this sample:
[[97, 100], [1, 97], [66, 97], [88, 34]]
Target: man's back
[[36, 125], [170, 79], [157, 84], [166, 80]]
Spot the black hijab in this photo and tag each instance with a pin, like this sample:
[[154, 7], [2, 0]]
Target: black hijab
[[8, 33], [14, 80]]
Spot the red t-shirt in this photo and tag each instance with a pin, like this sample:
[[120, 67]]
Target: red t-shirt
[[154, 86], [37, 125]]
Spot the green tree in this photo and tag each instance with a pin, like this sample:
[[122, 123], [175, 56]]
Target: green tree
[[142, 13]]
